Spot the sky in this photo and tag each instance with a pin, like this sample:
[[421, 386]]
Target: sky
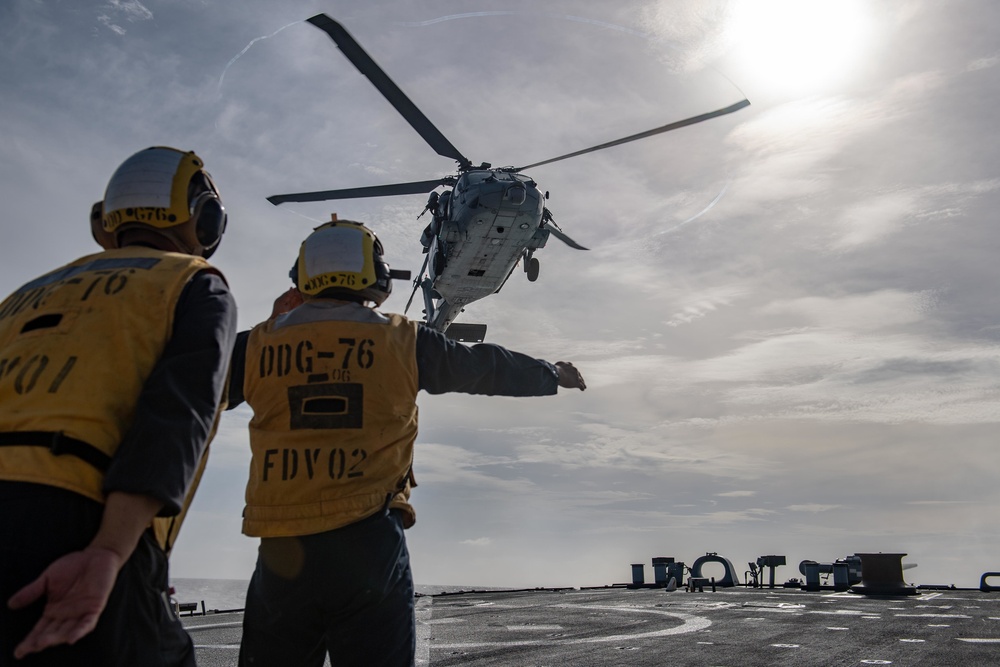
[[787, 320]]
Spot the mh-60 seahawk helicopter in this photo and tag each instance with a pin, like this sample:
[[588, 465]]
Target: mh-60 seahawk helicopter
[[480, 229]]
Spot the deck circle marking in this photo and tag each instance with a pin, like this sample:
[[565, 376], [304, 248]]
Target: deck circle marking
[[689, 623]]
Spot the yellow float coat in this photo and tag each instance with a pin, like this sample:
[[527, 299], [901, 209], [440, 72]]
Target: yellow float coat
[[76, 347], [335, 419]]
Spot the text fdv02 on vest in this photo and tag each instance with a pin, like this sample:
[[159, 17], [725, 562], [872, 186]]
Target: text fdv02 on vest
[[334, 423]]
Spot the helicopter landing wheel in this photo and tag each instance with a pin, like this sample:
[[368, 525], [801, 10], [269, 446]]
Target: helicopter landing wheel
[[532, 269]]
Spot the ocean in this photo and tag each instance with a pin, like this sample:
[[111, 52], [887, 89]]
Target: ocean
[[230, 594]]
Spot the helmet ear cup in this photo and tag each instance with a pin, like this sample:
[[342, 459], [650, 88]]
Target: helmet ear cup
[[209, 217], [383, 277], [104, 239]]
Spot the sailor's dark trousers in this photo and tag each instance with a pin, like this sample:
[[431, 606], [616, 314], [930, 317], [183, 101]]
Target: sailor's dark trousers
[[40, 523], [347, 592]]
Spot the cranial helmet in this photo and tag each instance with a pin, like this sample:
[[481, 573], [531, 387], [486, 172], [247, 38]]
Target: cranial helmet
[[343, 259], [165, 190]]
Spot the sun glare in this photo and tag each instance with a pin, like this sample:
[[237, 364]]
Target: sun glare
[[798, 46]]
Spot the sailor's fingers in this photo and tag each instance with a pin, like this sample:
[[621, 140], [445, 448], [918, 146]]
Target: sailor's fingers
[[76, 589], [54, 631], [569, 376], [27, 595]]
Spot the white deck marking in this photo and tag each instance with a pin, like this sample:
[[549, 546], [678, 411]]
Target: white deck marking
[[422, 610], [689, 623], [212, 626], [840, 612]]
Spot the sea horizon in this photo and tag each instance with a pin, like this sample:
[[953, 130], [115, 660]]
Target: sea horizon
[[230, 594]]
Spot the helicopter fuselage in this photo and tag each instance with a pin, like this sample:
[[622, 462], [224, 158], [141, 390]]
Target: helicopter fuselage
[[481, 228]]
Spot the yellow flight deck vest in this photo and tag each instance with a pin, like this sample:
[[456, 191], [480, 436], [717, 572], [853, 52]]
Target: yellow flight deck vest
[[76, 347], [335, 419]]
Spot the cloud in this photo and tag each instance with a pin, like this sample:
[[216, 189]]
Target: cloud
[[867, 312], [133, 10], [875, 217], [108, 23], [940, 502], [700, 304], [129, 10], [694, 31], [478, 542], [812, 507], [653, 452], [736, 494], [983, 63], [735, 516], [456, 466], [887, 378]]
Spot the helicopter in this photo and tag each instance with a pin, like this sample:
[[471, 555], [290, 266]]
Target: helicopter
[[489, 221]]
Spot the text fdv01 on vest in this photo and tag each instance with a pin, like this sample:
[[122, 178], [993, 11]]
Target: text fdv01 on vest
[[76, 348]]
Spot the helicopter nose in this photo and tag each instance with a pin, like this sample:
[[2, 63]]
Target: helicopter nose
[[516, 194]]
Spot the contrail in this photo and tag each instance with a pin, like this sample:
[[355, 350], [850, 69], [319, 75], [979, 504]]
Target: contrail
[[700, 213], [568, 17], [247, 48]]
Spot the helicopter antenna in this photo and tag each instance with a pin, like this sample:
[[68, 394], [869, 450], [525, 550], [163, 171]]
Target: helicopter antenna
[[407, 109], [648, 133]]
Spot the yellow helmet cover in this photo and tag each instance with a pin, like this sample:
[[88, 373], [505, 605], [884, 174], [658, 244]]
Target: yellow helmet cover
[[338, 255]]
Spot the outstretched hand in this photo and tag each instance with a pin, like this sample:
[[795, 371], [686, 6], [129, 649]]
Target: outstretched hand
[[76, 588], [569, 377]]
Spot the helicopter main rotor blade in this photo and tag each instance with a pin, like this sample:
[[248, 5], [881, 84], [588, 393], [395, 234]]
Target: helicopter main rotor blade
[[416, 187], [357, 55], [649, 133]]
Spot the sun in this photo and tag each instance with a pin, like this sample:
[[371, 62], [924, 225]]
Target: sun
[[799, 46]]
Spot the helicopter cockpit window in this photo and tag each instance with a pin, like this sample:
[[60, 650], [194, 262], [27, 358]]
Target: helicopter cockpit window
[[444, 204], [516, 195]]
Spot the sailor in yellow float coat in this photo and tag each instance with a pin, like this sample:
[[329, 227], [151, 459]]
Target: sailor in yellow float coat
[[112, 372], [333, 386]]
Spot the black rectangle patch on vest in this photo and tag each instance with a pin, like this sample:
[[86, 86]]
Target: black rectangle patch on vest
[[326, 406]]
